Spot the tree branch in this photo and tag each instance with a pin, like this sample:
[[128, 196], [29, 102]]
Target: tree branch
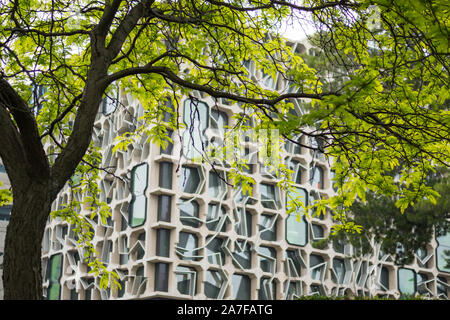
[[36, 161]]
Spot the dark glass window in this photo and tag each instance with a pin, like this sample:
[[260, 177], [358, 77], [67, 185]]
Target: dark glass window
[[267, 289], [442, 287], [165, 175], [384, 277], [242, 255], [268, 227], [5, 212], [216, 185], [190, 180], [214, 251], [294, 262], [339, 270], [110, 102], [316, 266], [189, 211], [188, 246], [216, 215], [267, 259], [163, 242], [406, 281], [186, 280], [164, 207], [443, 252], [161, 276], [316, 177], [244, 225], [213, 284], [54, 272], [296, 225], [168, 149], [196, 118], [268, 196], [138, 205], [241, 286]]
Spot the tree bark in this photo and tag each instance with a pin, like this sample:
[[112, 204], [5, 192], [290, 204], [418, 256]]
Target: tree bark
[[22, 275]]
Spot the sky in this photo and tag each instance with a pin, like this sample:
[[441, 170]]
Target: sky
[[296, 29]]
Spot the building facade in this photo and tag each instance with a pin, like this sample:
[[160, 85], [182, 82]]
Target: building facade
[[179, 230]]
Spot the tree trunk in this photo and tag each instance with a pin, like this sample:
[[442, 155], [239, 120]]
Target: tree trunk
[[22, 274]]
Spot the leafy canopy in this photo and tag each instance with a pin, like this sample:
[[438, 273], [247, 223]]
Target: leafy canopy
[[387, 109]]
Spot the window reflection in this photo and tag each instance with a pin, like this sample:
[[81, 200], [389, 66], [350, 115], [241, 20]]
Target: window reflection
[[186, 280], [138, 205], [189, 212], [406, 281], [187, 247], [190, 179], [241, 286], [297, 227]]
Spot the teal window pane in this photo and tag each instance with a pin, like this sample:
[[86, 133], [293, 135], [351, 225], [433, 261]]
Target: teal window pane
[[294, 261], [109, 103], [268, 196], [297, 228], [406, 281], [317, 266], [241, 286], [54, 291], [139, 179], [164, 207], [138, 206], [384, 277], [443, 252], [54, 275], [317, 231], [216, 185], [138, 211], [168, 149], [443, 258], [219, 120]]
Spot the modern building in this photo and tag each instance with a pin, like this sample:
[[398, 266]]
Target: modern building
[[178, 230]]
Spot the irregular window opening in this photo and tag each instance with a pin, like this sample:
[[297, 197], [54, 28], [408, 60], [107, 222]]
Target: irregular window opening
[[138, 205], [406, 281], [189, 213], [187, 247], [241, 286], [297, 227], [186, 280]]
